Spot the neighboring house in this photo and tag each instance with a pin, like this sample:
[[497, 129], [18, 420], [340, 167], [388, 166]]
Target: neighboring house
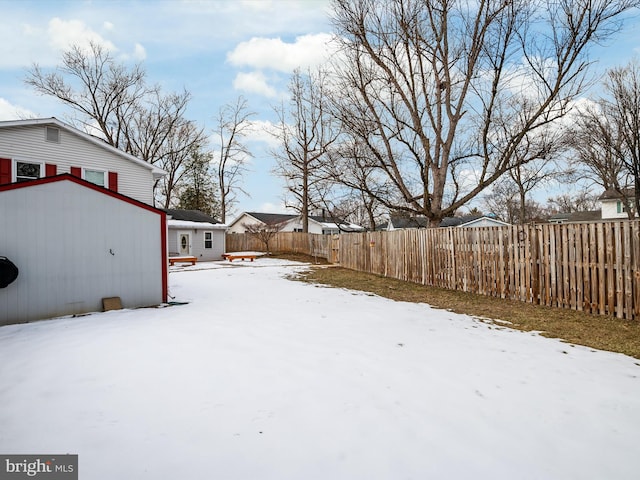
[[258, 219], [401, 223], [37, 148], [323, 225], [473, 221], [193, 233], [612, 208], [292, 223], [613, 205], [576, 217], [76, 243]]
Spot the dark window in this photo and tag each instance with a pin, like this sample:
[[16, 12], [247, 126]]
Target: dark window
[[27, 171], [208, 240]]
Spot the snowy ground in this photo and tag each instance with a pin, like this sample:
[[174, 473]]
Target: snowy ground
[[259, 377]]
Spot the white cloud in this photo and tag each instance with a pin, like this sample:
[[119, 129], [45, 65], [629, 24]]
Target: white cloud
[[13, 112], [256, 5], [263, 131], [138, 54], [269, 207], [273, 53], [255, 82], [65, 33]]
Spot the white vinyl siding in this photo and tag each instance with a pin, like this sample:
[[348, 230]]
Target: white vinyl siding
[[238, 226], [77, 247], [612, 208], [198, 238], [29, 143]]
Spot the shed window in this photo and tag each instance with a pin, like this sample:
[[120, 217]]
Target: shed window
[[620, 206], [94, 176], [208, 240], [28, 171]]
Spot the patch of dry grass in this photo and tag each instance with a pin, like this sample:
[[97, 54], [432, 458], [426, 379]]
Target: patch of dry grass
[[573, 327]]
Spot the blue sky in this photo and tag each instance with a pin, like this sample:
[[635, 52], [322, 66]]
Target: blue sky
[[216, 49]]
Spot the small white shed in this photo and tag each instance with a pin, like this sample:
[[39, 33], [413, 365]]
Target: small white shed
[[193, 233], [76, 243]]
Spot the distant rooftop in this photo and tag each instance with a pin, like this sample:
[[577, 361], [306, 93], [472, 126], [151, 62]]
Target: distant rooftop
[[190, 215]]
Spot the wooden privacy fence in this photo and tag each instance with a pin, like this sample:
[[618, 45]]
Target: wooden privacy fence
[[591, 267], [293, 242]]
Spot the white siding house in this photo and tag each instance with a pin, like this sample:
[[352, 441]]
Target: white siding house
[[259, 219], [613, 204], [193, 233], [31, 149], [292, 223], [76, 243]]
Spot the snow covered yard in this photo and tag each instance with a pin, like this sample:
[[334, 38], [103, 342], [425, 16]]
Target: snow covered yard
[[260, 377]]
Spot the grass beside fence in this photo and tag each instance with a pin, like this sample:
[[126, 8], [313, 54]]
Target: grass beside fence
[[573, 327]]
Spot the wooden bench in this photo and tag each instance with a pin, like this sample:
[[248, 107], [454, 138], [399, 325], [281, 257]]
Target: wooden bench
[[186, 259], [233, 256]]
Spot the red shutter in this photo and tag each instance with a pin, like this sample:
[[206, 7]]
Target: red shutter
[[50, 170], [5, 170], [113, 181], [76, 172]]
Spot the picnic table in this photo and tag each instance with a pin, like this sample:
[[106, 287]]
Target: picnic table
[[183, 259], [240, 255]]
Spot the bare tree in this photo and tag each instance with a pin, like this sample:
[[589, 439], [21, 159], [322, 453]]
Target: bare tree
[[233, 124], [595, 144], [623, 110], [579, 202], [264, 232], [504, 202], [175, 158], [356, 178], [99, 90], [305, 132], [606, 136], [444, 92], [130, 115]]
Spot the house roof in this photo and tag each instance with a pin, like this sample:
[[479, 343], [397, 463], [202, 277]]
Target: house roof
[[612, 194], [190, 215], [423, 222], [457, 221], [335, 223], [409, 222], [323, 221], [575, 217], [157, 172], [483, 218], [271, 218]]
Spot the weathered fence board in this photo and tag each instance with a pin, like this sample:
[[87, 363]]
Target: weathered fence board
[[591, 267]]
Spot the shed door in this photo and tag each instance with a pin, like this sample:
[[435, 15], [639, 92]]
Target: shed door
[[184, 243]]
